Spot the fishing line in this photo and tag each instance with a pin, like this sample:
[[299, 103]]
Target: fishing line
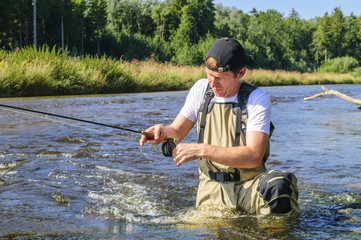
[[59, 121], [167, 147], [67, 123], [71, 118]]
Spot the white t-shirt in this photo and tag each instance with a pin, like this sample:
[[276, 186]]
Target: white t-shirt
[[258, 106]]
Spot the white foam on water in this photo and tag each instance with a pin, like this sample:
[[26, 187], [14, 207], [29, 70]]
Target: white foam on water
[[46, 156], [7, 165], [11, 172], [58, 174], [112, 196], [118, 171], [102, 156], [34, 180], [206, 215], [343, 198], [104, 198], [198, 218], [124, 201]]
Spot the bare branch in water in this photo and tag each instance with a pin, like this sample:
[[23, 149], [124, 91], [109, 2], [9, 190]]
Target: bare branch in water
[[336, 93]]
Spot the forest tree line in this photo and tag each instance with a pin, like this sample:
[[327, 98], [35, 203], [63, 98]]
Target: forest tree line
[[180, 31]]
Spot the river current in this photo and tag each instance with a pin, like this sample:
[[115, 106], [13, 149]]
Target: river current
[[65, 179]]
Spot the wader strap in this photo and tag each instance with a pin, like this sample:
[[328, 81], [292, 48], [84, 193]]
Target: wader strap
[[272, 127], [208, 96], [239, 124], [243, 94], [225, 176], [207, 99], [244, 91]]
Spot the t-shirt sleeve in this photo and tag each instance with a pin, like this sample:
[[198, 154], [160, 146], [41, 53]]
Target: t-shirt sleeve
[[259, 112], [194, 100]]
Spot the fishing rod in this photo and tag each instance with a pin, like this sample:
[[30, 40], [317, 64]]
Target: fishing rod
[[167, 146]]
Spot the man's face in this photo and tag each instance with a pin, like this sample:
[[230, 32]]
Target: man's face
[[224, 84]]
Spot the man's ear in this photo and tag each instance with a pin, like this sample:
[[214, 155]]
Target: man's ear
[[241, 72]]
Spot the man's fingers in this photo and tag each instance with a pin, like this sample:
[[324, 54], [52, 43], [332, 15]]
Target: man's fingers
[[159, 133], [142, 140], [153, 135]]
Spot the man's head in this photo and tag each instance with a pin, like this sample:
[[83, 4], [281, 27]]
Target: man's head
[[227, 54], [226, 61]]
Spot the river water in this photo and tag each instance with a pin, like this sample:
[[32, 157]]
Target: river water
[[84, 181]]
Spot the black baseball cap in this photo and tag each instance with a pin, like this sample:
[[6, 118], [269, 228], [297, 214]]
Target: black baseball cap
[[229, 55]]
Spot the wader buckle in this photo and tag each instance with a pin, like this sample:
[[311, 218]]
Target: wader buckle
[[225, 176]]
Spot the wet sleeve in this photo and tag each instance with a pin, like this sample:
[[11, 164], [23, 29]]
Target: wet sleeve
[[259, 112]]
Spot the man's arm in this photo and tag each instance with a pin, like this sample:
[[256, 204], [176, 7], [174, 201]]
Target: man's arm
[[249, 156]]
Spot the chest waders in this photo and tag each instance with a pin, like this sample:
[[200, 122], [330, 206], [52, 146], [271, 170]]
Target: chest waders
[[252, 190]]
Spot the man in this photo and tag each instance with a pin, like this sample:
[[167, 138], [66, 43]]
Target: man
[[233, 127]]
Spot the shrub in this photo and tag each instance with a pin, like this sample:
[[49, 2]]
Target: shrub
[[339, 65], [357, 72]]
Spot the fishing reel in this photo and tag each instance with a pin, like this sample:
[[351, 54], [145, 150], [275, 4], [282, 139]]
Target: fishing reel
[[167, 147]]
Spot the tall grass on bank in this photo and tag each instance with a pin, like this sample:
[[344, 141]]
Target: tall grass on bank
[[45, 71], [150, 75], [280, 78], [32, 72]]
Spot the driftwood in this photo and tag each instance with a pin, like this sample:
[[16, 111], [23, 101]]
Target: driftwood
[[336, 93]]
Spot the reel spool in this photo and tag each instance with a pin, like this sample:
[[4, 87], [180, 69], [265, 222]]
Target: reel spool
[[167, 147]]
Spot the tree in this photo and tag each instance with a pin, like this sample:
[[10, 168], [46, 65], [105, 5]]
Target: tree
[[254, 42], [358, 35], [161, 15], [77, 25], [293, 42], [180, 28], [185, 36], [197, 15], [176, 11], [222, 19], [204, 17], [131, 16], [238, 24], [352, 36], [323, 37], [267, 32], [34, 20], [186, 33], [95, 22], [299, 38], [337, 30], [231, 22], [15, 23]]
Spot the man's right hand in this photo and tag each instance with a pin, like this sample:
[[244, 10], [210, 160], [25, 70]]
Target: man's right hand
[[158, 132]]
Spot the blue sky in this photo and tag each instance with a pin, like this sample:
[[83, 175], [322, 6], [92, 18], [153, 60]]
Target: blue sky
[[307, 9]]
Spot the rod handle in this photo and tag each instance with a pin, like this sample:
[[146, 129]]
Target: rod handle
[[150, 136]]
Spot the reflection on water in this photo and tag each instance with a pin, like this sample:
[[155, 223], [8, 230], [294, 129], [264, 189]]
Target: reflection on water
[[60, 180]]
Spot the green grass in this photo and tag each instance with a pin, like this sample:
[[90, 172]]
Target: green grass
[[280, 78], [45, 72]]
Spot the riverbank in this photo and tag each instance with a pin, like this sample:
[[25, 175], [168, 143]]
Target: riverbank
[[47, 72]]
